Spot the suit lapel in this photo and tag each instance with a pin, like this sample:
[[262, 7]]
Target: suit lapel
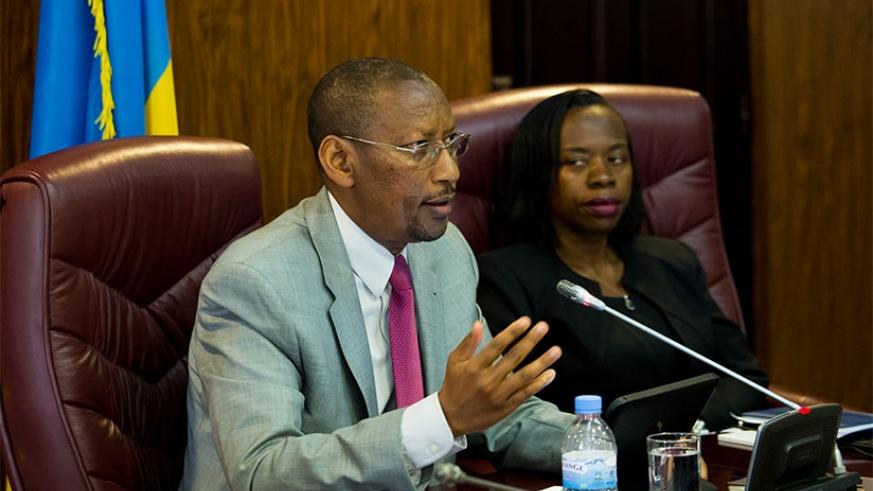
[[430, 317], [345, 311]]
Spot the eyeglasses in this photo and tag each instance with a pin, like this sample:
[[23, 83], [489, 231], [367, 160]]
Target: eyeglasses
[[426, 153]]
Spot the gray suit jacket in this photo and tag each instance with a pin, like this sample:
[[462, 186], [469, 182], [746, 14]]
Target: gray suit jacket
[[282, 394]]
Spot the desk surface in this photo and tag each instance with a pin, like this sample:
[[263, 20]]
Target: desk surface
[[725, 464]]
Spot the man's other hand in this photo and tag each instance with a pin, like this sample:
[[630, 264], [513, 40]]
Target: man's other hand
[[482, 388]]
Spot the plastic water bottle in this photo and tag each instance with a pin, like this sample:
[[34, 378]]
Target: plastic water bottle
[[588, 454]]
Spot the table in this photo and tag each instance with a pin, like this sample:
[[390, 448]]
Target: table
[[725, 464]]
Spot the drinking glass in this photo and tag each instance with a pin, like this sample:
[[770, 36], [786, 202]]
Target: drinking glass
[[674, 462]]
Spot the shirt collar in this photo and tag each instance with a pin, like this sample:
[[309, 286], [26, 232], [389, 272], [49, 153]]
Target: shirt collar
[[370, 261]]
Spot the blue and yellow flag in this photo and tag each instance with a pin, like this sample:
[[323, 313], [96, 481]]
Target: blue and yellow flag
[[103, 69]]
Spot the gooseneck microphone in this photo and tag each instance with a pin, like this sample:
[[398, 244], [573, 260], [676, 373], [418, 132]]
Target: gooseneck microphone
[[581, 296], [450, 474]]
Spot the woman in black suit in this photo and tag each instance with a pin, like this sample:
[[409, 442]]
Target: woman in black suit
[[573, 207]]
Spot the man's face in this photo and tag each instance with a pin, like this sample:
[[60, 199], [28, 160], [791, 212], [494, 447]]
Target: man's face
[[402, 200]]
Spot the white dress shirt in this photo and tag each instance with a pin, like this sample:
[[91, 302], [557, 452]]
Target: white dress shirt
[[425, 433]]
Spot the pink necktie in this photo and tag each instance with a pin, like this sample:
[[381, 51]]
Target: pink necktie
[[403, 336]]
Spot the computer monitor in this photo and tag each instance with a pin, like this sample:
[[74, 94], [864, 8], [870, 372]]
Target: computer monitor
[[671, 407], [793, 451]]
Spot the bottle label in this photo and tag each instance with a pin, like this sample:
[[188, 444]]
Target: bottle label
[[588, 469]]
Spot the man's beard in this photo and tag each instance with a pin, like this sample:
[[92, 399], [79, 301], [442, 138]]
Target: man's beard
[[420, 233]]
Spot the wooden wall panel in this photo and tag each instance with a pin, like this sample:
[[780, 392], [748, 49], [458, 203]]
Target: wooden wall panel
[[244, 69], [812, 161], [18, 22]]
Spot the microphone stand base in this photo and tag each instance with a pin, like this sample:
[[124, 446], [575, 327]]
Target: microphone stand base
[[843, 482]]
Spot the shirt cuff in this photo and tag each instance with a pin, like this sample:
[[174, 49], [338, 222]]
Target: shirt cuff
[[425, 433]]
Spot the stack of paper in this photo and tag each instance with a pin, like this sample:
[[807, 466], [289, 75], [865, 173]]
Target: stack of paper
[[737, 438], [851, 421], [744, 438]]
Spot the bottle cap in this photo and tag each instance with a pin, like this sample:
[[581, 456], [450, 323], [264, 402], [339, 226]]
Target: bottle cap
[[588, 404]]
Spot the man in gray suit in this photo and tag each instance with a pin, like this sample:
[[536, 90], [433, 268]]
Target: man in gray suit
[[333, 347]]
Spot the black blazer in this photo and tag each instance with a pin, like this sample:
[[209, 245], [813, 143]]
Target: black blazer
[[520, 280]]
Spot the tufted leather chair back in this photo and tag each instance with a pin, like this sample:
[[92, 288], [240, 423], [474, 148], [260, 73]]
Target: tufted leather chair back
[[102, 251], [671, 133]]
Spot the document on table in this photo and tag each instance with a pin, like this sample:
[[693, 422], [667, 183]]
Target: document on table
[[744, 438]]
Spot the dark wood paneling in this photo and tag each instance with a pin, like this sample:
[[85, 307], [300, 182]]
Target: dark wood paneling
[[18, 27], [244, 69], [811, 107]]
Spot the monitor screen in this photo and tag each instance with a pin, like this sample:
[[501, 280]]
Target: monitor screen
[[794, 448], [633, 417]]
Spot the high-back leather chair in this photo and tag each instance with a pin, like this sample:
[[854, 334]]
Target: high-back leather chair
[[671, 134], [102, 251]]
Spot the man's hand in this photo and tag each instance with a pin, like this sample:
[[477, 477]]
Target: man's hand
[[482, 388]]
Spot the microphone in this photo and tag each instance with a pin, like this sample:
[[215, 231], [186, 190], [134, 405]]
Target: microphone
[[450, 474], [581, 296]]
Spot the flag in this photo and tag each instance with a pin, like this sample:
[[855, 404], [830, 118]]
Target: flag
[[103, 70]]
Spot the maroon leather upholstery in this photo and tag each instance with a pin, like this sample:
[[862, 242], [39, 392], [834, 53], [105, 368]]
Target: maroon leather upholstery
[[102, 251], [671, 133]]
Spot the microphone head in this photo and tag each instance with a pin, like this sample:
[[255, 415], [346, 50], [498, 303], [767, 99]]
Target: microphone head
[[579, 295], [447, 473]]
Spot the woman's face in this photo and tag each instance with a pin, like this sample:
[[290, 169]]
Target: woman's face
[[593, 182]]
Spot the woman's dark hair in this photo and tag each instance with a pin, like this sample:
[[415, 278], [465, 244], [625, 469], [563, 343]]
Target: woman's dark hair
[[535, 160]]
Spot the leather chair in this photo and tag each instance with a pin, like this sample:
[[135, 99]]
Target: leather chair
[[671, 134], [102, 251]]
